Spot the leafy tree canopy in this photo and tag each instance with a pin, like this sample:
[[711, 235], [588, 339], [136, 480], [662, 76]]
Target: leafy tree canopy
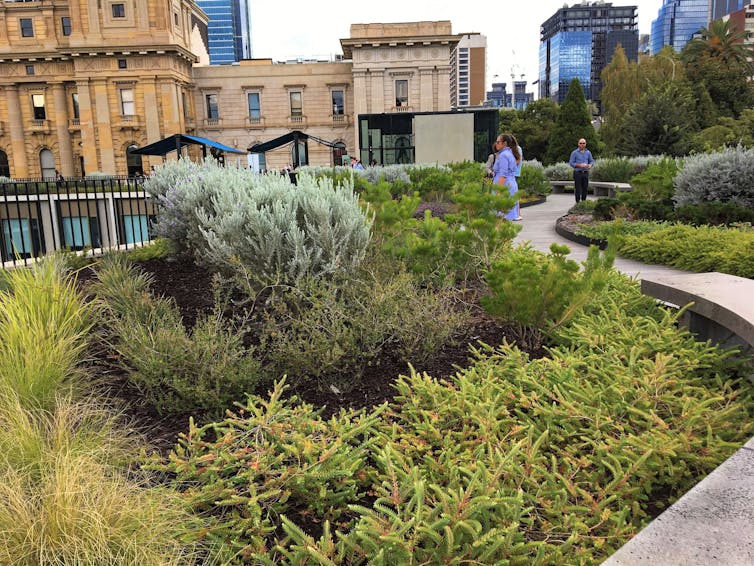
[[574, 122]]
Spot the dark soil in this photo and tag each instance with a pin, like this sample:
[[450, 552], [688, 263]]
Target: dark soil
[[191, 288]]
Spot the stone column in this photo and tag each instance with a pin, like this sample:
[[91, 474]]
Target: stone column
[[101, 113], [360, 104], [443, 88], [426, 89], [61, 129], [17, 138], [378, 90], [88, 134]]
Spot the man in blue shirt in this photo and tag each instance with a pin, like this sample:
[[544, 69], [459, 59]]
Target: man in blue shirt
[[581, 161]]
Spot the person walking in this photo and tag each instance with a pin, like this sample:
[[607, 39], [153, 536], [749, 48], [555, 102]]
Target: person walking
[[581, 161], [505, 166]]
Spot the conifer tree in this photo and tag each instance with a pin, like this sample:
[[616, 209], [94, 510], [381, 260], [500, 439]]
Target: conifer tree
[[574, 122]]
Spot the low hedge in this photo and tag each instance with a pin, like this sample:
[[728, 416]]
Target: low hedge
[[512, 461], [695, 248]]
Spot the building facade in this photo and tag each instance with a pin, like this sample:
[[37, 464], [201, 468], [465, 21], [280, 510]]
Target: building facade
[[720, 8], [677, 21], [468, 63], [86, 81], [578, 42], [229, 30]]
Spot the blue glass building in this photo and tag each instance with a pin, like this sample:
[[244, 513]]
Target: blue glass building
[[720, 8], [578, 42], [229, 30], [677, 21]]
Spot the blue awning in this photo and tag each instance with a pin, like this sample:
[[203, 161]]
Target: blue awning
[[178, 141]]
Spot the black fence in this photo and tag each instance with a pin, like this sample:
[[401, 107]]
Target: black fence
[[89, 215]]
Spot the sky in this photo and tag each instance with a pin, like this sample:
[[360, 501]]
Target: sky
[[284, 30]]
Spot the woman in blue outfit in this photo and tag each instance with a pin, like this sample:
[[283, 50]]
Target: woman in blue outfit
[[505, 167]]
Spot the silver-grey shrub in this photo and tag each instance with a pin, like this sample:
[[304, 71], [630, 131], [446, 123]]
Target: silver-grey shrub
[[233, 219], [724, 176], [559, 172]]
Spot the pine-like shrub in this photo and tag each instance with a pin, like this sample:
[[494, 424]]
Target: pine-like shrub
[[232, 219], [724, 176], [533, 181], [695, 248]]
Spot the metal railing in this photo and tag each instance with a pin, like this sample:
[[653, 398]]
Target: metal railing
[[88, 216]]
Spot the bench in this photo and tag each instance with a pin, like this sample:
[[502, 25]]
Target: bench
[[599, 188], [722, 309]]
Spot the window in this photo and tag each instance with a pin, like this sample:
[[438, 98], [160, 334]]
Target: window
[[401, 93], [184, 102], [38, 105], [133, 161], [17, 236], [119, 10], [47, 164], [76, 233], [296, 104], [213, 112], [338, 103], [29, 69], [136, 228], [127, 102], [122, 64], [75, 100], [65, 24], [176, 19], [254, 110], [4, 165], [27, 27]]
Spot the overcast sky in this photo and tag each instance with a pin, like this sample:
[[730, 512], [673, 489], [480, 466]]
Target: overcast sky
[[294, 28]]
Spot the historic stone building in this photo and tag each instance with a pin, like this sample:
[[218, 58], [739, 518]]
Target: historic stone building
[[83, 82]]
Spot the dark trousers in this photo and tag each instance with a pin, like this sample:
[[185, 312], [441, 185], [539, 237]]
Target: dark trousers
[[580, 184]]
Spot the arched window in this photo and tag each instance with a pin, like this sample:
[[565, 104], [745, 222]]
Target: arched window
[[47, 164], [133, 161], [4, 166], [338, 152]]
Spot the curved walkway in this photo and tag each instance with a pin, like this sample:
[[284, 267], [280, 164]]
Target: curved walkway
[[538, 228]]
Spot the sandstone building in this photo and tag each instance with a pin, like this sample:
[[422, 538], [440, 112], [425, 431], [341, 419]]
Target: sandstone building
[[84, 82]]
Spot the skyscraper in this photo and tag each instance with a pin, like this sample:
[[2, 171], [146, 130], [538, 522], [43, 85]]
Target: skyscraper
[[467, 71], [229, 30], [578, 42], [720, 8], [677, 21]]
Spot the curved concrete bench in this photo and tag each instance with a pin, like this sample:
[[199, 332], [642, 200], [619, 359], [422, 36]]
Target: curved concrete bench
[[599, 188], [723, 308], [713, 523]]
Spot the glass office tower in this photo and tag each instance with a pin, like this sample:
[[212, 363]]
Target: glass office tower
[[677, 21], [229, 30], [578, 42], [720, 8]]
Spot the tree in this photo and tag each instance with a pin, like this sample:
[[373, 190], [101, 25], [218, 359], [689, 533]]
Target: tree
[[621, 87], [574, 122], [721, 42], [719, 61], [661, 122], [533, 126]]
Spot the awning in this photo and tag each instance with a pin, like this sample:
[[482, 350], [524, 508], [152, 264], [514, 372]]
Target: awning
[[290, 137], [178, 141]]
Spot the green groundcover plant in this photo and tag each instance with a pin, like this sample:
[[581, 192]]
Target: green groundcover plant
[[514, 460]]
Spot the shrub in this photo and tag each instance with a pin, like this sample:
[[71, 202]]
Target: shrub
[[703, 248], [43, 333], [533, 180], [724, 176], [158, 248], [175, 371], [613, 169], [335, 330], [230, 218], [539, 293], [604, 208], [619, 229], [559, 172], [557, 460], [584, 207], [714, 214]]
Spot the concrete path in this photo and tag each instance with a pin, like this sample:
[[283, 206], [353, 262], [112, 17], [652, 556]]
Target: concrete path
[[538, 228]]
